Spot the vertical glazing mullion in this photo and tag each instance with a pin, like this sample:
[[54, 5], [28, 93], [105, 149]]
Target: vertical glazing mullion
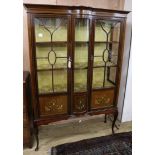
[[103, 56], [107, 37], [104, 75], [52, 80]]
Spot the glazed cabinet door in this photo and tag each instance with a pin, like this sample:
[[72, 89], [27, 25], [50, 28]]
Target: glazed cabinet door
[[105, 62], [81, 46], [52, 70]]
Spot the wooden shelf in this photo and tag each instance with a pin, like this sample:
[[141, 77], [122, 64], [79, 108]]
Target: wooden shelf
[[76, 42], [77, 68], [50, 69], [80, 68], [81, 42], [59, 42], [77, 89], [104, 66], [49, 43], [108, 85], [53, 93], [105, 42], [102, 88], [47, 57]]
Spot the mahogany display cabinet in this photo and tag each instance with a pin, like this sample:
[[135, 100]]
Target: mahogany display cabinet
[[76, 59]]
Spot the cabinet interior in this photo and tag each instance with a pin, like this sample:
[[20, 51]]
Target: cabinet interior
[[52, 54]]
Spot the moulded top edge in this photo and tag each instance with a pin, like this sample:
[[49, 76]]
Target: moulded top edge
[[45, 6]]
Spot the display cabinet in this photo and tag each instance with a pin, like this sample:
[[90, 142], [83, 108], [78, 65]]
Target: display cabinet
[[76, 57]]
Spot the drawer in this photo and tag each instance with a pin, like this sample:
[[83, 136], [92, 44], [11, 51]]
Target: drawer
[[53, 105], [80, 103], [102, 98]]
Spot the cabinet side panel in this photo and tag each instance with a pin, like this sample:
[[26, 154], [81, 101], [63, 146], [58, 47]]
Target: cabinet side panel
[[120, 59], [32, 64]]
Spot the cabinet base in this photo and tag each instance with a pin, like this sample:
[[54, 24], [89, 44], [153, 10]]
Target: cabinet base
[[39, 122]]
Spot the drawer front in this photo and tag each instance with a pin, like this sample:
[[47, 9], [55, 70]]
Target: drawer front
[[102, 98], [53, 105], [80, 103]]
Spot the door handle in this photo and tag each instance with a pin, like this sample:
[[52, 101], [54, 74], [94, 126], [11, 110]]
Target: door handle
[[92, 57], [69, 62]]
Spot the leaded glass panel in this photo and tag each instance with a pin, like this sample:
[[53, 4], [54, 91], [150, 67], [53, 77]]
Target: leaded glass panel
[[51, 54], [106, 44]]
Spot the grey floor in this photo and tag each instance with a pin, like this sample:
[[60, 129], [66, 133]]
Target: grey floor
[[74, 130]]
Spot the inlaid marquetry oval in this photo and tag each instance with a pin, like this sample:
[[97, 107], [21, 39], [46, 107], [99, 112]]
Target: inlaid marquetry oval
[[52, 57], [105, 55]]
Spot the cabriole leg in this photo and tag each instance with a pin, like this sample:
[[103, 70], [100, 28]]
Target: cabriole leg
[[113, 123], [37, 139], [105, 118]]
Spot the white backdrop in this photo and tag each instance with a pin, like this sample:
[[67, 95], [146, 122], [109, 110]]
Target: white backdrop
[[125, 98]]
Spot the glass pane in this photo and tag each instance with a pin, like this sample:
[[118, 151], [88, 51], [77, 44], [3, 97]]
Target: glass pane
[[98, 61], [81, 56], [105, 53], [44, 82], [60, 80], [115, 49], [98, 54], [51, 54], [100, 35], [80, 80], [59, 56], [108, 75], [98, 78], [82, 29], [99, 49], [42, 57], [116, 32], [112, 74], [43, 64], [98, 74], [107, 30], [45, 27]]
